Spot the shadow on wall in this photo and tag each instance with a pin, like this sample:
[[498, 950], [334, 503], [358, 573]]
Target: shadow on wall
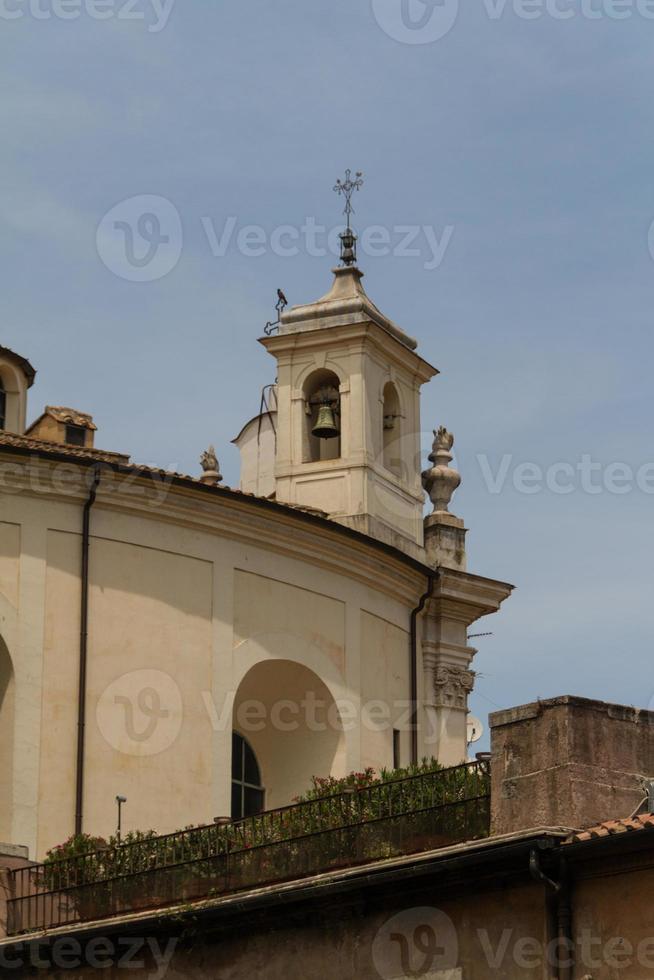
[[291, 721], [7, 717]]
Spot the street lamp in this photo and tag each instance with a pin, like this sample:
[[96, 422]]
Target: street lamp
[[120, 800]]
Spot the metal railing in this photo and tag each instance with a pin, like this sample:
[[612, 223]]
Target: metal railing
[[404, 816]]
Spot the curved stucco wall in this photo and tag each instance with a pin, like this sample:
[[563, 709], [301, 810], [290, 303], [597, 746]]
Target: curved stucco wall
[[189, 592]]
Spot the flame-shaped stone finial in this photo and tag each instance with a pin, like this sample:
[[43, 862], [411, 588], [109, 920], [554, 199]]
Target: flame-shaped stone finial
[[210, 467], [440, 481]]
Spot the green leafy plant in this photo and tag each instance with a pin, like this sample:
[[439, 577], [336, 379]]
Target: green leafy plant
[[338, 821]]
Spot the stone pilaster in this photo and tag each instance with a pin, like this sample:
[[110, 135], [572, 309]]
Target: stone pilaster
[[445, 541], [459, 599]]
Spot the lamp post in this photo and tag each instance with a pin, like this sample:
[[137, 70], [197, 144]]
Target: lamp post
[[120, 800]]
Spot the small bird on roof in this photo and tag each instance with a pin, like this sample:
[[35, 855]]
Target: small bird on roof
[[281, 297]]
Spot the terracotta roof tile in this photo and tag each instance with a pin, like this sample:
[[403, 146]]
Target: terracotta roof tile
[[62, 414], [613, 828], [11, 439]]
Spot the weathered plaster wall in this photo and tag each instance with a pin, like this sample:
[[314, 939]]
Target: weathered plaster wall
[[445, 934], [613, 923], [568, 762]]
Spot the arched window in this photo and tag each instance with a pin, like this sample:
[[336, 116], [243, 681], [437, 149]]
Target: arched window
[[247, 792], [3, 405]]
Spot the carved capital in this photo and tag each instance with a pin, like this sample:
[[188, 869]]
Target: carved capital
[[452, 685]]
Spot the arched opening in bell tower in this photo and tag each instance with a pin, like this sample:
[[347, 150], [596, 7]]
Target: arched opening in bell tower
[[391, 421], [322, 416]]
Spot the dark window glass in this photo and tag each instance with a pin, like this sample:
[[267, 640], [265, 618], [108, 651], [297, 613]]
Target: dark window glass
[[396, 749], [237, 801], [75, 435], [252, 801], [251, 767], [248, 795], [237, 756]]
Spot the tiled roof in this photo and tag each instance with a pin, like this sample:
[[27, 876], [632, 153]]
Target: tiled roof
[[12, 440], [612, 828], [70, 415]]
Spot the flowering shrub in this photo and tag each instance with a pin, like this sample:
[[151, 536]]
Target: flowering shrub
[[361, 816], [75, 845], [323, 786]]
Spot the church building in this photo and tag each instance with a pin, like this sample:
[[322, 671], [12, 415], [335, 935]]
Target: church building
[[203, 651]]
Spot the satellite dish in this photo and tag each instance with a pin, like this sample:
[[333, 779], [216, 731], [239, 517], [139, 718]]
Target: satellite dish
[[475, 729]]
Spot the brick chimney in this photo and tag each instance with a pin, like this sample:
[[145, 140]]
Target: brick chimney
[[568, 762]]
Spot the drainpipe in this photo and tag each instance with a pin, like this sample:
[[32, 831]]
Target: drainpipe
[[83, 648], [561, 924], [413, 665]]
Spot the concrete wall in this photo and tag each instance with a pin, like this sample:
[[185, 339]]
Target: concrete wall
[[568, 762]]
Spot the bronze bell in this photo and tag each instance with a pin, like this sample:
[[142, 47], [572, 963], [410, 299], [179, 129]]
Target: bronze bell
[[325, 427]]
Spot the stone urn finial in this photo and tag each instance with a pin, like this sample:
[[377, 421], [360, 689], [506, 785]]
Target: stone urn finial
[[210, 467], [440, 481]]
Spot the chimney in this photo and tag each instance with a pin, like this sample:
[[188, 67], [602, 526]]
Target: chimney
[[569, 762], [66, 426]]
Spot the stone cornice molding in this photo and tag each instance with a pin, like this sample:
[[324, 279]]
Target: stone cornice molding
[[221, 512], [465, 598], [358, 337]]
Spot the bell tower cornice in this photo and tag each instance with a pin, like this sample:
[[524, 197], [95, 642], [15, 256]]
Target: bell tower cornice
[[364, 333]]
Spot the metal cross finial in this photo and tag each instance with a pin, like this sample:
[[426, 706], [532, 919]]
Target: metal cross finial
[[347, 187]]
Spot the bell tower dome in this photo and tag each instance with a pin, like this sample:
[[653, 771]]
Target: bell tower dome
[[348, 413]]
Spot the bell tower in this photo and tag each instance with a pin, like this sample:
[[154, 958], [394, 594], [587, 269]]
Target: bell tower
[[348, 408]]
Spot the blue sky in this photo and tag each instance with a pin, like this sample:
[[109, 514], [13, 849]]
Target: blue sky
[[529, 139]]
